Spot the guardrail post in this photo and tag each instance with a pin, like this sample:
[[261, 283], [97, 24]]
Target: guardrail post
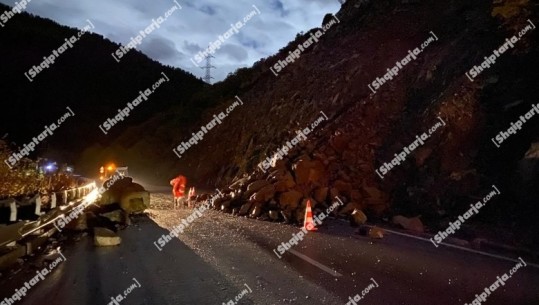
[[53, 200], [13, 208], [38, 205]]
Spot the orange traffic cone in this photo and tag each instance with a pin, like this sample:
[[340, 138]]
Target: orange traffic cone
[[308, 223]]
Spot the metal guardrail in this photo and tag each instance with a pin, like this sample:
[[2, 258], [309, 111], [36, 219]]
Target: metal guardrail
[[56, 199], [21, 229]]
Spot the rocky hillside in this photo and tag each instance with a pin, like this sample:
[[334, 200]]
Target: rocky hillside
[[456, 166], [85, 78]]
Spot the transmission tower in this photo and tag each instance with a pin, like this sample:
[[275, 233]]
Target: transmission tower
[[208, 67]]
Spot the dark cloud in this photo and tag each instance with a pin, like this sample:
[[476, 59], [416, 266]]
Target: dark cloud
[[208, 10], [234, 52], [161, 49]]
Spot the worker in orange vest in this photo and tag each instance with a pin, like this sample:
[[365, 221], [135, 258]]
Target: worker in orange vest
[[178, 189]]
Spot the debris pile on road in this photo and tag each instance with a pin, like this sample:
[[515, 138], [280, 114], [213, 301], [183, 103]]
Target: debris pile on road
[[282, 193]]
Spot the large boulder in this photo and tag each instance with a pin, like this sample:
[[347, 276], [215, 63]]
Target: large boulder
[[342, 187], [310, 172], [290, 199], [245, 208], [281, 186], [255, 187], [105, 238], [133, 187], [340, 142], [299, 215], [110, 197], [376, 233], [217, 202], [118, 184], [256, 210], [237, 185], [413, 224], [225, 206], [318, 174], [283, 179], [321, 194], [273, 215], [264, 194], [333, 192], [374, 194], [359, 217], [355, 195], [135, 202], [302, 170], [350, 207]]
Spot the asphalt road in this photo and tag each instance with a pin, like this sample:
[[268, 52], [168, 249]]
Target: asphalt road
[[220, 257]]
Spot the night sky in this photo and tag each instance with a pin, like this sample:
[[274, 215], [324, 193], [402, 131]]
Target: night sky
[[191, 29]]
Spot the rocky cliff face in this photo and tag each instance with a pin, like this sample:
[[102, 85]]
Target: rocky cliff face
[[350, 154]]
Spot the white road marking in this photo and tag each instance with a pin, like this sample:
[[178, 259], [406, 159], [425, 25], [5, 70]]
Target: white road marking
[[317, 264], [463, 248]]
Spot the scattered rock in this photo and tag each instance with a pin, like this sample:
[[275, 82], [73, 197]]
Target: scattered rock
[[355, 195], [225, 206], [287, 215], [343, 187], [421, 155], [255, 187], [245, 208], [299, 215], [290, 199], [273, 215], [310, 172], [256, 210], [412, 224], [264, 194], [359, 217], [376, 233], [239, 184], [350, 207], [281, 186], [321, 194], [105, 238]]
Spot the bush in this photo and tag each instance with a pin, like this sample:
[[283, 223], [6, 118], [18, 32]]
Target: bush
[[25, 178]]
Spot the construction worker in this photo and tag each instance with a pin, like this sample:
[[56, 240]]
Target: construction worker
[[178, 190], [191, 197]]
